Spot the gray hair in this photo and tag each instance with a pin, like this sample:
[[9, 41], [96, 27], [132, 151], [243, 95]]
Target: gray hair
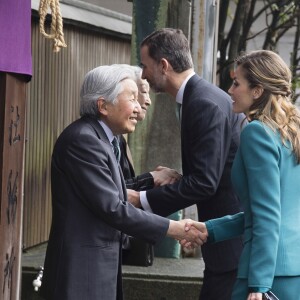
[[102, 82], [137, 71]]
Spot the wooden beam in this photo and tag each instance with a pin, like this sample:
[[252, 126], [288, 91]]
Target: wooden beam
[[12, 121]]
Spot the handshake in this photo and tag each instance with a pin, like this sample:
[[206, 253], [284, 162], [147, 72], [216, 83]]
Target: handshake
[[191, 234]]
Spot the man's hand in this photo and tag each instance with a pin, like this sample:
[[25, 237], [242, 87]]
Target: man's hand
[[190, 224], [192, 237], [163, 175], [134, 198]]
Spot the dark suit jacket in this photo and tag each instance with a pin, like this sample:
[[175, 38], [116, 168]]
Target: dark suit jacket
[[210, 134], [141, 182], [90, 210]]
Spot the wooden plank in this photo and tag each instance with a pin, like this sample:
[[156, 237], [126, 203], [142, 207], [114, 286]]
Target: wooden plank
[[12, 118], [53, 103]]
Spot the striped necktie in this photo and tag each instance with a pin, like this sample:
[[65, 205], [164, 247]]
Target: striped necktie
[[178, 111], [116, 148]]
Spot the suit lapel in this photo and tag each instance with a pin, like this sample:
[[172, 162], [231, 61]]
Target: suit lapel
[[102, 135], [98, 128]]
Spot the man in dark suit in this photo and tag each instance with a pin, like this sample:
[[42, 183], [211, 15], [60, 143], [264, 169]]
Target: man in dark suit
[[209, 139], [89, 201]]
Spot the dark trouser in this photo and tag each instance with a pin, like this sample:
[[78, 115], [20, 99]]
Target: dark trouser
[[217, 286]]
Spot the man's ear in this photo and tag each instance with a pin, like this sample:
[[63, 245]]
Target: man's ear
[[102, 106], [165, 65]]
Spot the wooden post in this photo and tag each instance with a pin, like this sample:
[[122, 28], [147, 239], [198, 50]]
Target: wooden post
[[12, 119], [204, 35]]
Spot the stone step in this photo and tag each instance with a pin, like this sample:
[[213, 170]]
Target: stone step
[[166, 279]]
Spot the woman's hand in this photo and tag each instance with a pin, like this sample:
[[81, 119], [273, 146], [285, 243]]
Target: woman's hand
[[255, 296], [201, 227]]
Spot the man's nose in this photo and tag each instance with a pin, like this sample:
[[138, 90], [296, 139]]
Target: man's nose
[[137, 106], [143, 74], [148, 100]]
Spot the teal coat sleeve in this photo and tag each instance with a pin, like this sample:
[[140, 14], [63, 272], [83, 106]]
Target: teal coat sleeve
[[225, 228]]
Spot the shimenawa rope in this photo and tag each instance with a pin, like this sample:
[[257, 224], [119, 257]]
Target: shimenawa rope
[[56, 31]]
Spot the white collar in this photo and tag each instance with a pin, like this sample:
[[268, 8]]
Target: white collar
[[107, 131]]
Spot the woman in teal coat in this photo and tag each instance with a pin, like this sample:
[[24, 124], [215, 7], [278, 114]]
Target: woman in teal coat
[[266, 176]]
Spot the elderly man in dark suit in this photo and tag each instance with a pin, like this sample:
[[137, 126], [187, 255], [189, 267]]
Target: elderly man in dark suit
[[209, 139], [90, 208]]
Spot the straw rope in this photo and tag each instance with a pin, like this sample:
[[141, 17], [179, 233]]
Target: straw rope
[[56, 31]]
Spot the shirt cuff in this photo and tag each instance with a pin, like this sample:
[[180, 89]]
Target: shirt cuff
[[144, 202]]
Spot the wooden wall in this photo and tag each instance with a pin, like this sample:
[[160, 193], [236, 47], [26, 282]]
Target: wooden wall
[[53, 103]]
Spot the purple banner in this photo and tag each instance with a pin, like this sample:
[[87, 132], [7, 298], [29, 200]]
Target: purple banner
[[15, 36]]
